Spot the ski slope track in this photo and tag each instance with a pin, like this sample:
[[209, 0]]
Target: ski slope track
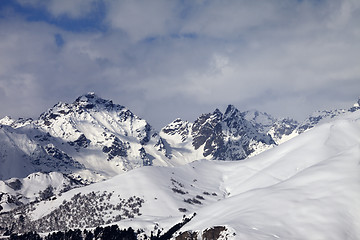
[[305, 188]]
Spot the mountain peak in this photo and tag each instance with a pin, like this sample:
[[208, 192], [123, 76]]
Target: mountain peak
[[217, 112], [90, 100], [233, 114], [230, 110], [230, 107], [89, 97], [7, 120], [20, 122], [84, 103]]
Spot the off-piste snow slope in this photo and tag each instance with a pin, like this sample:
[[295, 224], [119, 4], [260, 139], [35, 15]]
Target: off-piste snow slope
[[305, 188]]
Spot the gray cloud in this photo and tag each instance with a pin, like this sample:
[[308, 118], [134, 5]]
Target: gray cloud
[[70, 8], [182, 58], [142, 19]]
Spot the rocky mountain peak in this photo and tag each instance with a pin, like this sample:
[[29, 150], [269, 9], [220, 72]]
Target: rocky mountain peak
[[228, 135], [217, 114], [179, 127], [92, 101], [232, 114], [231, 109], [173, 126], [84, 104]]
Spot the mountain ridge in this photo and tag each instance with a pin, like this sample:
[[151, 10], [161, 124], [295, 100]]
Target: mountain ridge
[[92, 129], [80, 135]]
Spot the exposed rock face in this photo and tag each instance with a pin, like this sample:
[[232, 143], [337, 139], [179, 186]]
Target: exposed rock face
[[282, 128], [81, 142], [207, 131], [15, 185], [179, 127], [187, 236], [117, 148], [213, 233], [217, 135], [227, 136]]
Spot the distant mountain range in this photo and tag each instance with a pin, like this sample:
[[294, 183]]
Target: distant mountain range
[[93, 139], [306, 188]]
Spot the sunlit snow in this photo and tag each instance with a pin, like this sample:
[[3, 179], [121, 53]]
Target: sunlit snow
[[306, 188]]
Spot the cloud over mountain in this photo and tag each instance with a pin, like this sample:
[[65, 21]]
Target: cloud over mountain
[[163, 56]]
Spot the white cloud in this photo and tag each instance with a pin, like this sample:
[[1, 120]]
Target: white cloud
[[223, 19], [141, 19], [266, 55]]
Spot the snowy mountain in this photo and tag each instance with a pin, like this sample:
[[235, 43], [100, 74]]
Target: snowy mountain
[[217, 135], [313, 120], [91, 139], [305, 188], [260, 120], [283, 129], [279, 129]]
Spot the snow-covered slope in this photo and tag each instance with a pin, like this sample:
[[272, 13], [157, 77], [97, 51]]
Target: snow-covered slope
[[16, 192], [27, 150], [178, 137], [306, 188]]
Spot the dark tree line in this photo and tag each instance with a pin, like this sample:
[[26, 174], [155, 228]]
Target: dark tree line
[[81, 211], [102, 233]]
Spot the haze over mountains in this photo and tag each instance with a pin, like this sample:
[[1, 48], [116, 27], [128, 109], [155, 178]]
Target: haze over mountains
[[78, 145]]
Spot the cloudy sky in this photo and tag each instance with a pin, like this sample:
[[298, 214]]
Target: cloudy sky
[[165, 59]]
